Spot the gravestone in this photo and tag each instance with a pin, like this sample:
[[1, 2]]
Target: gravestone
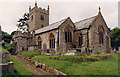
[[44, 48], [94, 50]]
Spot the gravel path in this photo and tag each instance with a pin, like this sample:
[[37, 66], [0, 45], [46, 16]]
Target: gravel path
[[31, 67]]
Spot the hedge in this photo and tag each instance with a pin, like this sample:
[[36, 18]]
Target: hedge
[[77, 59]]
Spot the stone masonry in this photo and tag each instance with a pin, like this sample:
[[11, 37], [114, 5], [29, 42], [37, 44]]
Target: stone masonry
[[64, 35]]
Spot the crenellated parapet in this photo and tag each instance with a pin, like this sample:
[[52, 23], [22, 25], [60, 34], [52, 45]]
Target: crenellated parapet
[[38, 9], [23, 35]]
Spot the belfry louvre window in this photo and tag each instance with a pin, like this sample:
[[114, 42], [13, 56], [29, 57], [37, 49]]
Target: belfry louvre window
[[42, 17], [31, 17], [52, 41], [68, 36], [39, 43], [80, 40]]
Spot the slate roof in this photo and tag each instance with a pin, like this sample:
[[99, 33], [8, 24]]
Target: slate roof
[[84, 23], [79, 25], [50, 27]]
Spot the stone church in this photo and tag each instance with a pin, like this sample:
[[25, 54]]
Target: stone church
[[64, 35]]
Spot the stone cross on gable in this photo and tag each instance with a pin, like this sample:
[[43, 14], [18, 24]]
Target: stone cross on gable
[[99, 9]]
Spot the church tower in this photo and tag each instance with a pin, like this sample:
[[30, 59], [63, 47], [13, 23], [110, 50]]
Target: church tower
[[38, 17]]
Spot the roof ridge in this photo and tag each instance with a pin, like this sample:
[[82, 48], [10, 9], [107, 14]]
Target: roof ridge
[[85, 19], [58, 21], [51, 26], [53, 23]]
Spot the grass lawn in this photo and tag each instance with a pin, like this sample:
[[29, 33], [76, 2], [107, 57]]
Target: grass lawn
[[19, 69], [104, 67], [29, 53]]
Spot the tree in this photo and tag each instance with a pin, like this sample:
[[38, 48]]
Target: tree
[[115, 37], [23, 22], [13, 33], [6, 37]]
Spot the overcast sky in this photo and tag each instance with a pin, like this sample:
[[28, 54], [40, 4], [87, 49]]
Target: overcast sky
[[10, 12]]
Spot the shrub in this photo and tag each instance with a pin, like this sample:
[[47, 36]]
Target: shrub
[[98, 52], [80, 53], [77, 59]]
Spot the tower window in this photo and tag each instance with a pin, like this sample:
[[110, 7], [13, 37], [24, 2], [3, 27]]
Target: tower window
[[31, 17], [42, 26], [42, 17]]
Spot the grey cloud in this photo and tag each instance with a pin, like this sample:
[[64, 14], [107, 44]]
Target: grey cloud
[[11, 11]]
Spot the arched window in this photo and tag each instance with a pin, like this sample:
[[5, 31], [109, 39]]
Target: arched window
[[80, 39], [101, 35], [39, 43], [68, 36], [51, 41]]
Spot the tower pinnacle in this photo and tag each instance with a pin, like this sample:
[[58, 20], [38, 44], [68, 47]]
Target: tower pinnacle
[[35, 3], [48, 8]]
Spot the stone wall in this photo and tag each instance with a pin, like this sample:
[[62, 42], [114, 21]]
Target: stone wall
[[43, 66], [76, 39], [63, 45], [45, 39], [23, 40], [94, 36]]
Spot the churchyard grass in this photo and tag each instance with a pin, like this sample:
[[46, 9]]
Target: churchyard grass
[[19, 69], [85, 58], [29, 53], [104, 67]]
